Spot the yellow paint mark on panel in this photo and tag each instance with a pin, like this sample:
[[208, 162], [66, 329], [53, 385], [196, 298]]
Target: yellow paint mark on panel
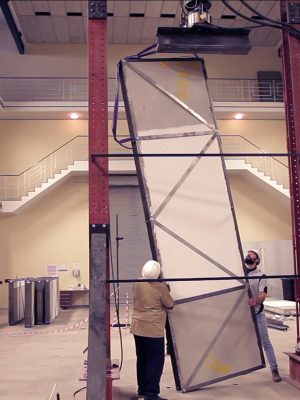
[[215, 365], [181, 87]]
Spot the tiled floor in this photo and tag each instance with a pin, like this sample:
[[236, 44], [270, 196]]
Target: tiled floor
[[48, 359]]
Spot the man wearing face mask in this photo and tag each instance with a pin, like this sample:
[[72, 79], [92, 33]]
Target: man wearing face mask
[[258, 289]]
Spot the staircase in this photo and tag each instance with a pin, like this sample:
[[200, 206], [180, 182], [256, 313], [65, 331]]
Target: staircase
[[269, 170], [18, 191]]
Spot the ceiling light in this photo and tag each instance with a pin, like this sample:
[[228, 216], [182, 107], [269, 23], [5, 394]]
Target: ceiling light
[[239, 116], [74, 115]]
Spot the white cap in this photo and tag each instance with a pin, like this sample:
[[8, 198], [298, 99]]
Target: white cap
[[254, 251], [151, 270]]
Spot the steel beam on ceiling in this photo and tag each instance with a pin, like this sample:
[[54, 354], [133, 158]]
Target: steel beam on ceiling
[[16, 34], [99, 387]]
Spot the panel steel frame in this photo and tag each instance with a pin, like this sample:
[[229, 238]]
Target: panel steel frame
[[150, 217]]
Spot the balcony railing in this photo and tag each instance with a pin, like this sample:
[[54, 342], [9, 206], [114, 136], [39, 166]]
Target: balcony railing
[[13, 187], [16, 89]]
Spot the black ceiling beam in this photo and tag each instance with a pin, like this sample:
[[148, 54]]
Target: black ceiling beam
[[16, 34]]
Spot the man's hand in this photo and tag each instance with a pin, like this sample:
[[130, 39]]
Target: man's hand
[[252, 301], [168, 286]]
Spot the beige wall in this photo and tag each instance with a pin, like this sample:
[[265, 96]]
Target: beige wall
[[53, 231], [70, 60], [55, 228], [65, 60], [269, 135], [258, 59], [24, 142], [261, 214]]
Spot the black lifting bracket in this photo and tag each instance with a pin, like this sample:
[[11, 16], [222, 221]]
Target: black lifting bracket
[[99, 228], [97, 9], [294, 13]]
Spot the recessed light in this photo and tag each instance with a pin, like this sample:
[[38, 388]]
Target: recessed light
[[74, 115], [239, 116]]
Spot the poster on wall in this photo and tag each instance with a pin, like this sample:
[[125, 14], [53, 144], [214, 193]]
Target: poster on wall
[[52, 270]]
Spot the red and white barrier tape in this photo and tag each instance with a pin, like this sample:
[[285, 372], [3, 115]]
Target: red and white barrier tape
[[43, 332]]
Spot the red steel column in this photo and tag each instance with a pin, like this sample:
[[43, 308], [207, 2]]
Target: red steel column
[[290, 13], [99, 387]]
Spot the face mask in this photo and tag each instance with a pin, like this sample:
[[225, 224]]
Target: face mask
[[249, 261]]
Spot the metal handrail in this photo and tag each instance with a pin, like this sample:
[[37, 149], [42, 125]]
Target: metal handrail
[[13, 187], [53, 89], [269, 166], [246, 90], [260, 150], [42, 159]]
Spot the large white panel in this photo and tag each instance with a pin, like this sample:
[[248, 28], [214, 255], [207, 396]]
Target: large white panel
[[213, 344], [197, 201], [179, 258], [161, 184], [190, 218], [176, 88]]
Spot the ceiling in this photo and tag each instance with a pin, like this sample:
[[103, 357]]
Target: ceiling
[[132, 21]]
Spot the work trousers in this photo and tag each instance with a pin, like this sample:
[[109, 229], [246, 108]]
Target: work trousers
[[265, 341], [149, 364]]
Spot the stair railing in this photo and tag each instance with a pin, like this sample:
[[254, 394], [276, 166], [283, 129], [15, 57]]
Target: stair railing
[[276, 169], [13, 187]]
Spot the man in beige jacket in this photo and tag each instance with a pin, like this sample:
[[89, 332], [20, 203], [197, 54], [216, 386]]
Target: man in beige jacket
[[151, 300]]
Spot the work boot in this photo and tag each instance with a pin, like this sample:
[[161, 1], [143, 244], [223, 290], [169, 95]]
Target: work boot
[[275, 376], [154, 398]]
